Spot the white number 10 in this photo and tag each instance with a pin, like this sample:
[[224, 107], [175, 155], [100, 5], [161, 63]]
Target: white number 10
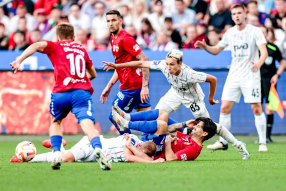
[[75, 64]]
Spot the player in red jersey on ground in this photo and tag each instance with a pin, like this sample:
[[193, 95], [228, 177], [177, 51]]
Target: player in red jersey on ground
[[73, 70], [134, 92]]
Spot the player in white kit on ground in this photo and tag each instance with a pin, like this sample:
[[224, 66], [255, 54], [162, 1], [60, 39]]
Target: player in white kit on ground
[[244, 40], [185, 90]]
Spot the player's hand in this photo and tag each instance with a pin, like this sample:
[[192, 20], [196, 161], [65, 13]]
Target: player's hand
[[191, 123], [109, 66], [274, 79], [16, 66], [144, 94], [213, 102], [104, 95], [201, 44], [255, 67], [159, 160], [170, 139]]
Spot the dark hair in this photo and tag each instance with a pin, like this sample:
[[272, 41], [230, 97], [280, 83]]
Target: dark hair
[[150, 148], [20, 32], [180, 1], [252, 1], [114, 12], [214, 30], [65, 31], [75, 4], [209, 127], [158, 1], [150, 29], [37, 30], [168, 19], [237, 6]]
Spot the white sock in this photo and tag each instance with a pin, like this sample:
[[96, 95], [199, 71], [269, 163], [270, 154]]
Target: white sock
[[45, 157], [62, 148], [225, 121], [226, 136], [260, 123]]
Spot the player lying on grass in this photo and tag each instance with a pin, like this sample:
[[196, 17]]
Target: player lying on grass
[[72, 90], [202, 129], [124, 148], [185, 90]]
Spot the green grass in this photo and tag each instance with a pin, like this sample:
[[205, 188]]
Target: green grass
[[221, 170]]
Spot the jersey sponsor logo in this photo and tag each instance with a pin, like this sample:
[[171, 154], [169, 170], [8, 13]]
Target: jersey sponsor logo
[[68, 80], [244, 46], [75, 50], [120, 95], [136, 47], [184, 157], [156, 62]]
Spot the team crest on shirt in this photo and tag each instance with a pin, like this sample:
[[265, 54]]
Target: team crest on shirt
[[115, 48]]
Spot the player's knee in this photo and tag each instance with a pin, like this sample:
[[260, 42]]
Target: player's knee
[[162, 127], [256, 108], [225, 109], [163, 115]]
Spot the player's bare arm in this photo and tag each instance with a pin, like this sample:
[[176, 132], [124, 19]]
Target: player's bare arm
[[210, 49], [135, 64], [169, 153], [263, 55], [213, 81], [145, 90], [280, 70], [36, 47], [107, 89], [172, 129], [91, 73]]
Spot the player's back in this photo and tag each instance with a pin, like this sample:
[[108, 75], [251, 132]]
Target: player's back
[[125, 49], [70, 61]]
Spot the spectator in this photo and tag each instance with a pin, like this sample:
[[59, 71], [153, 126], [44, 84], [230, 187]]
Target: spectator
[[127, 17], [117, 4], [192, 37], [81, 38], [88, 8], [222, 19], [139, 12], [19, 39], [265, 6], [36, 36], [4, 40], [213, 37], [183, 17], [99, 25], [51, 34], [131, 30], [47, 5], [163, 42], [281, 12], [252, 9], [147, 35], [66, 4], [4, 20], [79, 20], [55, 15], [21, 26], [173, 33], [201, 29], [283, 46], [22, 12], [29, 4], [157, 18], [199, 6], [43, 23], [252, 20]]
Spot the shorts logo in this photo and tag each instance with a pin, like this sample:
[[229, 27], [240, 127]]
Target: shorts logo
[[156, 62], [89, 109], [120, 95], [129, 103], [184, 157], [116, 102], [136, 47]]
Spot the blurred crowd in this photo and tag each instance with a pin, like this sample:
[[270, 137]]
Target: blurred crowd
[[159, 25]]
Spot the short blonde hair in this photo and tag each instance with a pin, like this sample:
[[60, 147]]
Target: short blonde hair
[[65, 31], [176, 55]]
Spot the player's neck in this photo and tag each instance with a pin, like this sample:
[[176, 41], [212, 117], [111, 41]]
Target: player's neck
[[198, 140], [178, 72], [116, 35], [241, 27]]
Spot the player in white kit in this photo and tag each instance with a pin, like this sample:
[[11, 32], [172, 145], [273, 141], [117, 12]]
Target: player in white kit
[[124, 148], [244, 41], [185, 90]]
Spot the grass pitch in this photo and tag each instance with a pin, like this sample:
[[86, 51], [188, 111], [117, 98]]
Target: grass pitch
[[220, 170]]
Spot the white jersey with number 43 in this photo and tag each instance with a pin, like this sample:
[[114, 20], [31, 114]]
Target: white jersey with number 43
[[244, 50], [186, 83]]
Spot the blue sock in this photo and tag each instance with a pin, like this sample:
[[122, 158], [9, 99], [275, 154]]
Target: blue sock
[[56, 141], [171, 121], [95, 142], [120, 132], [144, 126], [145, 115]]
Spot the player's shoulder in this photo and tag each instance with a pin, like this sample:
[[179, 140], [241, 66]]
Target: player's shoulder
[[231, 30]]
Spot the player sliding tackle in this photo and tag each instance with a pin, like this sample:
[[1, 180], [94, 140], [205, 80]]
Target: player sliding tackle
[[72, 91], [185, 90]]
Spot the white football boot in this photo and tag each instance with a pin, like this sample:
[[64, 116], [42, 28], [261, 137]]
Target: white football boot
[[100, 158], [121, 112], [57, 162], [242, 150], [262, 148], [120, 121]]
